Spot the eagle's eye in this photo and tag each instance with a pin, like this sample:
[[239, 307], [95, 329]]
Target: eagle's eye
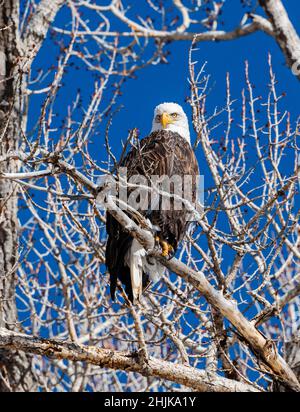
[[157, 118], [174, 115]]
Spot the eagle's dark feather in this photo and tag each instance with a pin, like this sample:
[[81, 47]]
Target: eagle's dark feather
[[161, 153]]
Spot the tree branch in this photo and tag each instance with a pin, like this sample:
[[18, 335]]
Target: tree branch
[[105, 358], [259, 23], [38, 26], [285, 33], [274, 309]]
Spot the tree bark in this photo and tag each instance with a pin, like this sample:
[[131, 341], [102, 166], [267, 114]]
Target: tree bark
[[15, 371], [196, 379], [292, 356], [284, 32]]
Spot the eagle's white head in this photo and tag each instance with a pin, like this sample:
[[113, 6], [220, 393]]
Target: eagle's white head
[[170, 116]]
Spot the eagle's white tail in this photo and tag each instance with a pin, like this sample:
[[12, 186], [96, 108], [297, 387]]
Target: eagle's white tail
[[138, 263], [135, 262]]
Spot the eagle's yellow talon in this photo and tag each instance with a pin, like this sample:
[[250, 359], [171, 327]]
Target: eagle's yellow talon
[[164, 253], [166, 248]]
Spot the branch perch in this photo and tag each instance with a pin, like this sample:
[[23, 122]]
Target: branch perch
[[105, 358]]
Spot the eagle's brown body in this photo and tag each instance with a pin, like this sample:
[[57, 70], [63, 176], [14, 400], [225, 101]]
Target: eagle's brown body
[[161, 153]]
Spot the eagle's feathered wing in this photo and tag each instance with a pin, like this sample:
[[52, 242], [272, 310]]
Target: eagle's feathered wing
[[161, 153]]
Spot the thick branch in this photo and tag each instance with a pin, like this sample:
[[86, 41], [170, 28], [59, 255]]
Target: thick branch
[[38, 26], [185, 375], [285, 33]]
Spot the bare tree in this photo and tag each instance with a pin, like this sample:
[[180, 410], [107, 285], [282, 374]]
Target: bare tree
[[225, 317]]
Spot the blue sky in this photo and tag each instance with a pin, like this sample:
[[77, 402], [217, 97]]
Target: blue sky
[[168, 82]]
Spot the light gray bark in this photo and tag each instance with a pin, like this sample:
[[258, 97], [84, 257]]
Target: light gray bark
[[284, 32], [38, 26], [105, 358]]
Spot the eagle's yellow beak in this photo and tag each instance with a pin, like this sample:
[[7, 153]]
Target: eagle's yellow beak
[[165, 120]]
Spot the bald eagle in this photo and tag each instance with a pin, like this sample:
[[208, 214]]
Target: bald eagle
[[167, 152]]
